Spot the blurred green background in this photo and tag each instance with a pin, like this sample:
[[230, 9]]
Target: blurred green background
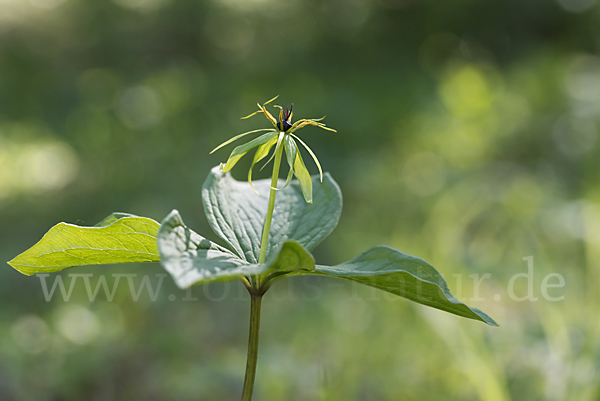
[[467, 135]]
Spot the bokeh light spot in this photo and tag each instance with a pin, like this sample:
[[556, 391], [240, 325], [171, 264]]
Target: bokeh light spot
[[31, 334], [582, 78], [574, 136], [576, 6], [47, 166], [142, 5], [244, 4], [466, 91], [77, 324], [140, 108], [46, 4]]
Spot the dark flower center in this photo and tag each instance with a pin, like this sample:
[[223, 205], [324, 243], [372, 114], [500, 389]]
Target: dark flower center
[[286, 124]]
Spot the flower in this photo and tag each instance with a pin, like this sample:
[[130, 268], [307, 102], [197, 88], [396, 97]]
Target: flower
[[281, 135]]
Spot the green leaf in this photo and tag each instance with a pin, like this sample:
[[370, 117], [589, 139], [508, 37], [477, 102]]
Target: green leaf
[[261, 153], [312, 155], [290, 150], [407, 276], [120, 238], [241, 150], [303, 177], [291, 257], [192, 259], [235, 138], [237, 214], [112, 218]]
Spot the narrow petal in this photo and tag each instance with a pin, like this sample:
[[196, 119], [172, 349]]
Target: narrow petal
[[293, 128], [307, 120], [253, 114], [325, 127], [269, 116], [227, 142], [264, 104], [304, 122], [312, 154], [280, 112]]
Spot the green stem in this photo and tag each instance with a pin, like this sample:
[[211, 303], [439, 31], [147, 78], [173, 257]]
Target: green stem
[[272, 194], [255, 301], [255, 290]]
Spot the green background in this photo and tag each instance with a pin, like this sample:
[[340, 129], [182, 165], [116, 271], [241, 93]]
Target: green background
[[467, 135]]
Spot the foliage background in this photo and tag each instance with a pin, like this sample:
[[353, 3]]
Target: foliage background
[[467, 136]]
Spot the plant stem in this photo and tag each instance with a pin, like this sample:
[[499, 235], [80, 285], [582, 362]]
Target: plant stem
[[255, 302], [272, 194], [255, 291]]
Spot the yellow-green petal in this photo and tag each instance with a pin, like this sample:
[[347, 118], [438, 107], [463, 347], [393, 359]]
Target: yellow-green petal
[[264, 104]]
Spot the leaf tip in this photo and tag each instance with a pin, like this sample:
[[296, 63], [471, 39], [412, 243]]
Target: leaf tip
[[252, 186], [485, 318], [11, 263], [14, 265], [224, 168]]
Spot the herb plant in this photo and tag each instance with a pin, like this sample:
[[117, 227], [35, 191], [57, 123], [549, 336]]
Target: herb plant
[[266, 239]]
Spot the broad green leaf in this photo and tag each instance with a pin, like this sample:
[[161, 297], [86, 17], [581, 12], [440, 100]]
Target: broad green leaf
[[192, 259], [237, 214], [120, 238], [241, 150], [112, 218], [407, 276], [303, 177], [291, 257]]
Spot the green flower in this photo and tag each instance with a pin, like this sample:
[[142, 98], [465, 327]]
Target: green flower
[[281, 135]]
